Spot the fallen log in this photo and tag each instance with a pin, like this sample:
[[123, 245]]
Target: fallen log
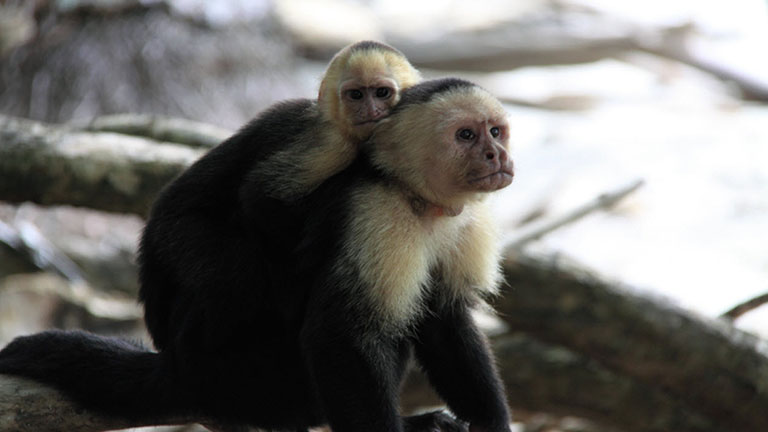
[[709, 365], [53, 165]]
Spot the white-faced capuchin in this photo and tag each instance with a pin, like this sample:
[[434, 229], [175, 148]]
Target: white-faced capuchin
[[284, 153], [311, 323]]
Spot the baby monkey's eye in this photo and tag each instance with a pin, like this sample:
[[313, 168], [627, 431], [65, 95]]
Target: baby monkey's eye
[[383, 92], [465, 134], [495, 132], [355, 94]]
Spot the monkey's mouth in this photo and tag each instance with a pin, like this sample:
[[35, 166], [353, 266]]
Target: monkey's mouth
[[494, 181]]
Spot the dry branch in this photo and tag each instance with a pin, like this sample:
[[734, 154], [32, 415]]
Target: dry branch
[[742, 308], [50, 165], [159, 128], [558, 40], [542, 377], [751, 88], [603, 201], [548, 41], [712, 367]]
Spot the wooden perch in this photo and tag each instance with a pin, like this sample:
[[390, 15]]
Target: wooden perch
[[611, 356], [710, 366], [542, 377], [51, 165], [26, 406]]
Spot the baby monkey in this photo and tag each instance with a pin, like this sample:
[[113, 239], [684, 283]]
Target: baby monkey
[[362, 84]]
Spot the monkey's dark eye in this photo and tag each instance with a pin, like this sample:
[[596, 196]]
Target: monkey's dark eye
[[495, 132], [465, 134], [383, 92], [355, 94]]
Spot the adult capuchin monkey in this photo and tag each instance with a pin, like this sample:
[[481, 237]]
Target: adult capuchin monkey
[[386, 261], [285, 152]]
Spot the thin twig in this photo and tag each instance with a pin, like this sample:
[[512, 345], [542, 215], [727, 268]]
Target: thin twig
[[742, 308], [606, 200]]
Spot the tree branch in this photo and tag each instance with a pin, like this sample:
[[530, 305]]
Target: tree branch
[[542, 377], [159, 128], [742, 308], [712, 367], [51, 165], [27, 406]]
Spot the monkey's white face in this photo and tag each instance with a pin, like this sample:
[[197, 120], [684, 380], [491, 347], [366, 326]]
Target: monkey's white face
[[366, 100], [473, 158], [450, 150]]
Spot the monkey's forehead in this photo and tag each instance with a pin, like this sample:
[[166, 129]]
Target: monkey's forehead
[[373, 64], [472, 103], [367, 71]]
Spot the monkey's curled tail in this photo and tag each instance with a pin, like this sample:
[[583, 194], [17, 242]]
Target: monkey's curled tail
[[108, 375]]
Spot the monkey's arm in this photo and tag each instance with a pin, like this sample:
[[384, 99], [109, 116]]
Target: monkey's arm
[[357, 386], [458, 362]]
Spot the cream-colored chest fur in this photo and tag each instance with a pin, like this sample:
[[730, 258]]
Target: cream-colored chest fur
[[397, 252]]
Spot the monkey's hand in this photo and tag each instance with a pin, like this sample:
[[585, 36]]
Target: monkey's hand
[[433, 421]]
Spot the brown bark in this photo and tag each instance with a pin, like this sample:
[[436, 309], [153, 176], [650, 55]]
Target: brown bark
[[708, 365], [26, 406]]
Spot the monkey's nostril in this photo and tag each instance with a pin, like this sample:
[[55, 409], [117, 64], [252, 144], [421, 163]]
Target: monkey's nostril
[[490, 155]]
